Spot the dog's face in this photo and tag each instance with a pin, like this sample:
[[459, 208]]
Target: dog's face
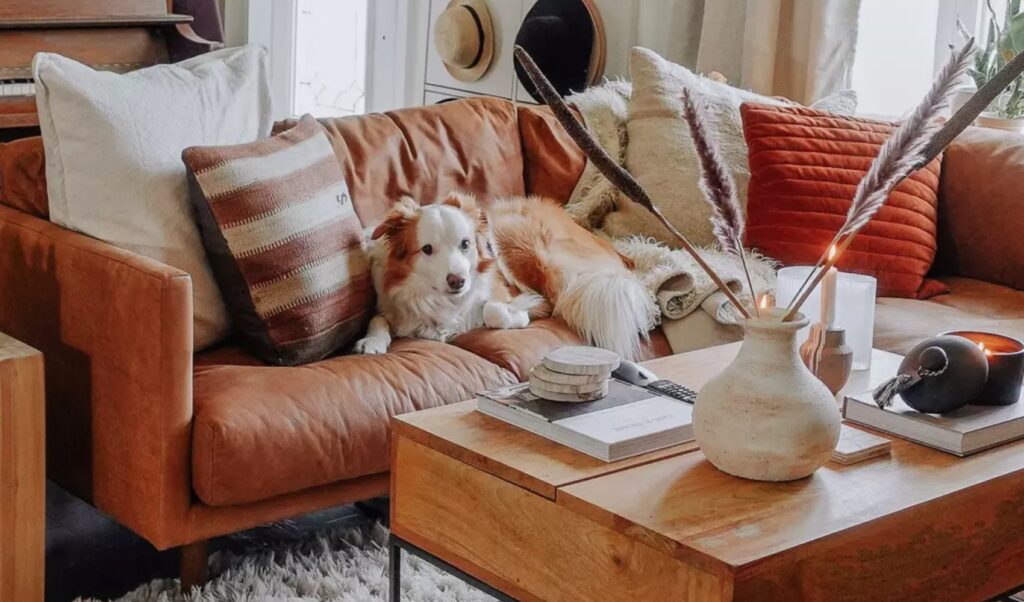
[[438, 249]]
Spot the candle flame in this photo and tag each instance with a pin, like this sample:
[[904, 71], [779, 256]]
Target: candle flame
[[983, 348], [831, 252], [764, 301]]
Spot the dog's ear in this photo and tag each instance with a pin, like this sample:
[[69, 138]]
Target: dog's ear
[[464, 202], [400, 214]]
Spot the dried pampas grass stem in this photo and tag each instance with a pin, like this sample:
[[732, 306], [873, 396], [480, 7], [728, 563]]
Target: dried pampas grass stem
[[727, 220]]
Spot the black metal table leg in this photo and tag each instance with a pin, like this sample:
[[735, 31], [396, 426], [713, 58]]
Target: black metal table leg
[[395, 566], [397, 545]]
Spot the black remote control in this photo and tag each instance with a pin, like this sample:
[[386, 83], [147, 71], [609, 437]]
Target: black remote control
[[674, 390]]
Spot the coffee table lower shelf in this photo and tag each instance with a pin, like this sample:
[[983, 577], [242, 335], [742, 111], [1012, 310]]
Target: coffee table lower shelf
[[395, 547]]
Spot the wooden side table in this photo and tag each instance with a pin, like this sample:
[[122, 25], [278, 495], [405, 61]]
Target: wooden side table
[[22, 472]]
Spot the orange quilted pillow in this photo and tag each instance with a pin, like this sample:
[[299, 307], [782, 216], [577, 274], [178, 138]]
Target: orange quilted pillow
[[805, 165]]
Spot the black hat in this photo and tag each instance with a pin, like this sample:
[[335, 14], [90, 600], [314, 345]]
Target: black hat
[[566, 40]]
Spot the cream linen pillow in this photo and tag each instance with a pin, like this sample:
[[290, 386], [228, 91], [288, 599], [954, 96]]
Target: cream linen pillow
[[660, 154], [113, 148]]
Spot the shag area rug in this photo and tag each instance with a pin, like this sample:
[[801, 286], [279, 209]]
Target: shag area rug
[[349, 564]]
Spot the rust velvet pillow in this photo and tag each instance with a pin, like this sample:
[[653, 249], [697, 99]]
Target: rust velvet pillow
[[284, 241], [805, 165]]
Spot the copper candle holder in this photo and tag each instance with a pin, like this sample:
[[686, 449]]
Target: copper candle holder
[[1005, 366]]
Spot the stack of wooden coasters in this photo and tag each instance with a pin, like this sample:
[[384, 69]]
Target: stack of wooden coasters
[[574, 374]]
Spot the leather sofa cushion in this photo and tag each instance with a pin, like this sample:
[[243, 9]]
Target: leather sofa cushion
[[552, 162], [23, 176], [518, 351], [980, 208], [262, 431], [971, 305], [469, 145]]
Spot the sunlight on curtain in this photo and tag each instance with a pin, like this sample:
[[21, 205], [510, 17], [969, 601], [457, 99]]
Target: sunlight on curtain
[[330, 57]]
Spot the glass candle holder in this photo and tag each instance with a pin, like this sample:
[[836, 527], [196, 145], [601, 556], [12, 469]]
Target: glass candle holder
[[1005, 366], [855, 308]]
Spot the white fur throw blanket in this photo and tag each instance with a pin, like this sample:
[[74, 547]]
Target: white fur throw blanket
[[678, 286]]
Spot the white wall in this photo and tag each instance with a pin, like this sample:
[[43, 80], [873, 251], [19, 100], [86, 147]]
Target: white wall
[[236, 20]]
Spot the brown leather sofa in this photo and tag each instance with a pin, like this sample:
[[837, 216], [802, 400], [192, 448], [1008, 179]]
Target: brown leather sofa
[[181, 447]]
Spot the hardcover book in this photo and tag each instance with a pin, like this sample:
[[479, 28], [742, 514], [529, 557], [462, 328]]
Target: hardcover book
[[629, 421], [961, 432]]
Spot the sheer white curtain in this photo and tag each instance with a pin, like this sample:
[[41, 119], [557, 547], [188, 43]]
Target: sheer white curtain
[[800, 49]]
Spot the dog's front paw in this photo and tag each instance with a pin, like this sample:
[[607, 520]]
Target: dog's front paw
[[501, 315], [371, 346]]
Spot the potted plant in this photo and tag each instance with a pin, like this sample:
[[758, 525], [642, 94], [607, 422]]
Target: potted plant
[[1002, 43]]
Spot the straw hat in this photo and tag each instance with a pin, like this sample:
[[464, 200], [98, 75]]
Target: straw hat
[[464, 39], [566, 39]]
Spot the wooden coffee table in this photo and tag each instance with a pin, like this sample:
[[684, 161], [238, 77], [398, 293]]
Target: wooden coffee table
[[528, 519]]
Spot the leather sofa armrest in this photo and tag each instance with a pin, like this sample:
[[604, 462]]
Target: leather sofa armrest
[[115, 329]]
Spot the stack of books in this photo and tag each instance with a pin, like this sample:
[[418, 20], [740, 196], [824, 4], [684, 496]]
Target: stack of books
[[628, 421]]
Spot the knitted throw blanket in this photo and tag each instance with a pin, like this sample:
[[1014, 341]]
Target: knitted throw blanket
[[678, 286]]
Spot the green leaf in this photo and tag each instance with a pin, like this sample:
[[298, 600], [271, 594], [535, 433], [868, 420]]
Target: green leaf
[[1015, 33]]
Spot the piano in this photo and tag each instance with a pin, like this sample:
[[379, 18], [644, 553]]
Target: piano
[[112, 35]]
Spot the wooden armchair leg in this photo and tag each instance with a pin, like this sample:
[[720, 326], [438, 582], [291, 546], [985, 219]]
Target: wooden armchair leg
[[195, 568]]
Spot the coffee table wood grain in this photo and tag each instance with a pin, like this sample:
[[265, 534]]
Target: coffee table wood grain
[[539, 521]]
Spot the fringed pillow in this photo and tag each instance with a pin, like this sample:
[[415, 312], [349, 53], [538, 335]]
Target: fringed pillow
[[284, 242]]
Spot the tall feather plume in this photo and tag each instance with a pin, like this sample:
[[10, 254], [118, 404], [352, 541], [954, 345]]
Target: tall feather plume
[[727, 220], [716, 182], [903, 151]]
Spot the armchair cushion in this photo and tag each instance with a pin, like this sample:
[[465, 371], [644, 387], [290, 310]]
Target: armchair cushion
[[262, 431]]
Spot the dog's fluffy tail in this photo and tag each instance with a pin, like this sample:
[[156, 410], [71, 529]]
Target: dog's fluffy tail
[[611, 310], [532, 303]]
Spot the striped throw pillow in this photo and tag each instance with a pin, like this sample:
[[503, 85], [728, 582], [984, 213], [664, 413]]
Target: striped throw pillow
[[284, 240]]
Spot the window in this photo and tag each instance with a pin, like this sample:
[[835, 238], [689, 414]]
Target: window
[[324, 54], [330, 57], [900, 46]]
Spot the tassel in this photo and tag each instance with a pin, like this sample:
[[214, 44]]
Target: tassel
[[933, 362], [887, 391]]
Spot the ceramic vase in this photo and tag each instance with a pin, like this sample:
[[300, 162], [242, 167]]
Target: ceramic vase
[[766, 417]]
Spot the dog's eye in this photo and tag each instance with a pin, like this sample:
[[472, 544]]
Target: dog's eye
[[427, 250], [465, 244]]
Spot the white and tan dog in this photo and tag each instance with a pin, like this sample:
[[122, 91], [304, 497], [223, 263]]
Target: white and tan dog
[[436, 277], [440, 270]]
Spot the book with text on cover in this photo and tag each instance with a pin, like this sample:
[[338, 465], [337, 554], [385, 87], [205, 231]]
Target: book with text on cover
[[629, 421], [960, 432]]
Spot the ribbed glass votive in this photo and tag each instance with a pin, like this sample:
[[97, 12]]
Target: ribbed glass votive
[[855, 308]]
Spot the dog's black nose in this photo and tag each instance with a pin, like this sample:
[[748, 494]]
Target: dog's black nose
[[455, 282]]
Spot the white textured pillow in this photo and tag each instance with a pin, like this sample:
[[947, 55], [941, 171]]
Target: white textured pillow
[[660, 153], [113, 148]]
